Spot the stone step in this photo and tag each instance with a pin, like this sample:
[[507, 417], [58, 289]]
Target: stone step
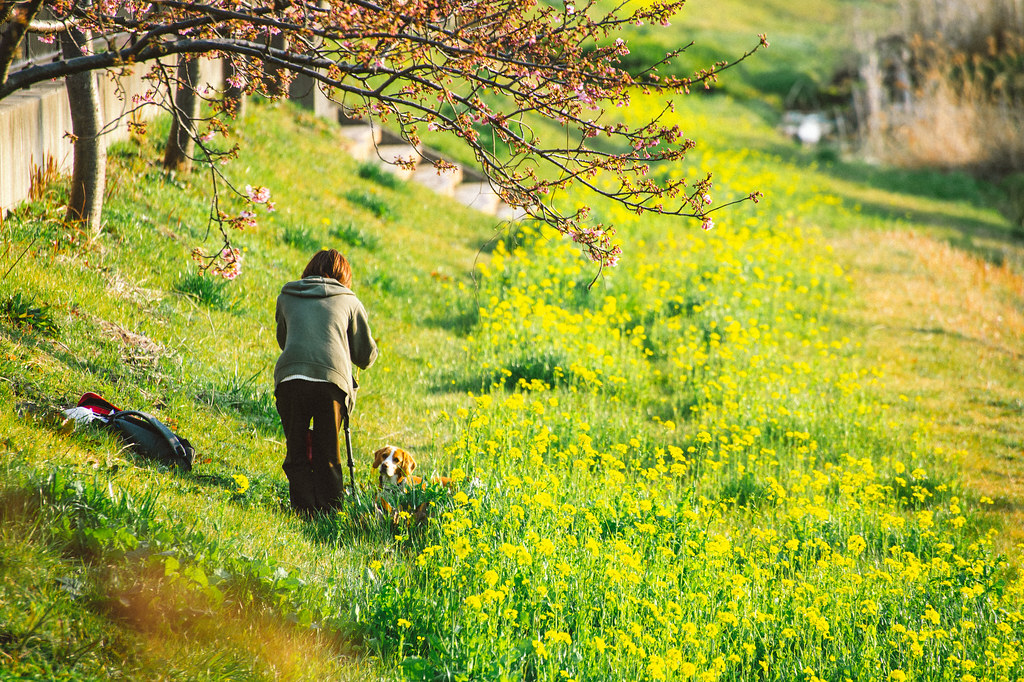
[[369, 143], [388, 154], [479, 196], [363, 141], [444, 183]]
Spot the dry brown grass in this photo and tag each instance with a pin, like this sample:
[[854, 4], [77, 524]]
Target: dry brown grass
[[966, 105], [956, 124], [967, 26], [948, 328], [43, 177], [136, 349]]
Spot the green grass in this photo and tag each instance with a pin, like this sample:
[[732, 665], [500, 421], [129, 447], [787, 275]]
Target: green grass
[[809, 43], [209, 378], [205, 289], [738, 456], [23, 311], [381, 176]]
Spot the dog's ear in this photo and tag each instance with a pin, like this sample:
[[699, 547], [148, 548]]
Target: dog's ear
[[406, 460], [378, 457]]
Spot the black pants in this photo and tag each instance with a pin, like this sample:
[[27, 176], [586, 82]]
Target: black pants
[[312, 462]]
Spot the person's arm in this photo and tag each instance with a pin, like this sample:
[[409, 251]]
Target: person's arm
[[361, 344], [282, 326]]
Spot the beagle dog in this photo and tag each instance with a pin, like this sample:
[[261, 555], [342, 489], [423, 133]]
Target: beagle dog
[[395, 467]]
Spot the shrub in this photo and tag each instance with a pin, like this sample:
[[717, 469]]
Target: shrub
[[205, 289], [371, 202], [25, 311], [353, 236], [373, 172]]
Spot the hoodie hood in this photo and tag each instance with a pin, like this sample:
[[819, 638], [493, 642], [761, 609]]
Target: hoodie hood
[[316, 287]]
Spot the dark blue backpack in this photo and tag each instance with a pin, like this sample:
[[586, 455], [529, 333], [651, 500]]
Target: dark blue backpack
[[147, 435]]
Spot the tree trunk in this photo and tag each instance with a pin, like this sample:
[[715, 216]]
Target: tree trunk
[[181, 143], [88, 179]]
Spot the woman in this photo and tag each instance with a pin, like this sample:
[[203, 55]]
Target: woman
[[322, 331]]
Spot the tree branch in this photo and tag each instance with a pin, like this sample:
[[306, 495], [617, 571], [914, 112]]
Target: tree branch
[[15, 24], [464, 67], [48, 26]]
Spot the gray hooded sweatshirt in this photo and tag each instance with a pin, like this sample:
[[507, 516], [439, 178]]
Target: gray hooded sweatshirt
[[322, 331]]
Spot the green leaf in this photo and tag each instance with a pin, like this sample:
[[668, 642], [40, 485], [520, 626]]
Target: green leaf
[[196, 574], [416, 668]]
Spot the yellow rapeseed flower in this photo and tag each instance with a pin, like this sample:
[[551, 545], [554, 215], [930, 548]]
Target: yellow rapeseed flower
[[856, 544], [556, 637]]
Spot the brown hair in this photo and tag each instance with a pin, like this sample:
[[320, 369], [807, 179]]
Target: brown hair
[[329, 263]]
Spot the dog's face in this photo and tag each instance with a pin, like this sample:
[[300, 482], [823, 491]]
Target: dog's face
[[393, 463]]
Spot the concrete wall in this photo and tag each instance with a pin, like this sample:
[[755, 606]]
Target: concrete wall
[[32, 124], [34, 121]]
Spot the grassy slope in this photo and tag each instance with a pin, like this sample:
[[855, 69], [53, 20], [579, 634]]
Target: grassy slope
[[208, 371], [943, 324], [809, 41]]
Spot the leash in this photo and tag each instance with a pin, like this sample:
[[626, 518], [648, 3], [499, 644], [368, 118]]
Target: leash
[[351, 462]]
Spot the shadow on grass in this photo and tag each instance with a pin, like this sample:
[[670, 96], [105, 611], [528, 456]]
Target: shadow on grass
[[956, 186], [863, 327], [545, 367], [105, 366], [247, 401], [380, 516], [921, 494], [962, 232], [507, 233], [953, 185], [940, 185], [458, 322], [959, 336], [247, 490], [1004, 505], [103, 560]]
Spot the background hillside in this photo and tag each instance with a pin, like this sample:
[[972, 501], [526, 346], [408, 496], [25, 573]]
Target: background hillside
[[788, 448]]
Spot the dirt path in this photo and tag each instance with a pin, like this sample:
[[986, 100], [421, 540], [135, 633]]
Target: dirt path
[[948, 330]]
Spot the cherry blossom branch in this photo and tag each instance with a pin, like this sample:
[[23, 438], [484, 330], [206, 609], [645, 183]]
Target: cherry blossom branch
[[457, 66]]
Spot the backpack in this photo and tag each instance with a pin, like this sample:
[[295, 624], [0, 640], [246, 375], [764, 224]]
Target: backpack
[[146, 434]]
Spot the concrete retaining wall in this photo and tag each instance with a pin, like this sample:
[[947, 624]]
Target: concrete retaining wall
[[32, 125], [34, 121]]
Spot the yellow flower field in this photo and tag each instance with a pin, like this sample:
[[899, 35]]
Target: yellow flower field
[[684, 474]]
